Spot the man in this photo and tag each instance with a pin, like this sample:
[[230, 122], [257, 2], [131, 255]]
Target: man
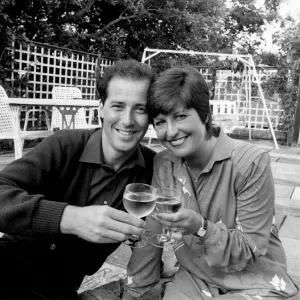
[[61, 204]]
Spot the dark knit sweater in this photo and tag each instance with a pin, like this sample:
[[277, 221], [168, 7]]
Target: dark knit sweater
[[34, 191]]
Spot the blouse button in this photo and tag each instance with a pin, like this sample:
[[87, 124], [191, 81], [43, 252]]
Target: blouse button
[[53, 247]]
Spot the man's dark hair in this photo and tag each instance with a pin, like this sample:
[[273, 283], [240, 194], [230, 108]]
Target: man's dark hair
[[180, 86], [127, 69]]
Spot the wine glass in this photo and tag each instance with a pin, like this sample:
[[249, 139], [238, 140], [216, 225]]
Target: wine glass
[[167, 201], [139, 200]]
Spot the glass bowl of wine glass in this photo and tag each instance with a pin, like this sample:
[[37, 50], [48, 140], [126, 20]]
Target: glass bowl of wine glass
[[139, 200]]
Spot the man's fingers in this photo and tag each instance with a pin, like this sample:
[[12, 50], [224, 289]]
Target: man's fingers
[[112, 236], [124, 228], [124, 217]]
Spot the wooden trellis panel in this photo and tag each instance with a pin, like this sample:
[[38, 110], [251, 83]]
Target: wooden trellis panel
[[229, 86], [46, 66]]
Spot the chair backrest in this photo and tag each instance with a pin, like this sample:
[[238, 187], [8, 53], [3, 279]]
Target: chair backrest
[[6, 124], [223, 107], [67, 93]]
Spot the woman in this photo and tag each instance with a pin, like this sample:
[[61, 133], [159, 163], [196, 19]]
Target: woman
[[228, 241]]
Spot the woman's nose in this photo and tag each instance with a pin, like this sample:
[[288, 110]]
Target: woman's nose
[[172, 129]]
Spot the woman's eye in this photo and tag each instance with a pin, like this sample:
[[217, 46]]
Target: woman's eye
[[157, 123], [180, 117]]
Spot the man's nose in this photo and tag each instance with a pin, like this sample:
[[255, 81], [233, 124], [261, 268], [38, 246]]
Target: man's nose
[[127, 118]]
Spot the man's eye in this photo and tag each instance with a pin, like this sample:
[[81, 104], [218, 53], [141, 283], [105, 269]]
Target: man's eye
[[141, 110], [117, 106]]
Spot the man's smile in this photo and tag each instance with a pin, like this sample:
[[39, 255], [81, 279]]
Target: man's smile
[[126, 133]]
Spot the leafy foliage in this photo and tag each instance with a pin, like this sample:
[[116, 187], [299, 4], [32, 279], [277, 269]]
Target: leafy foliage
[[123, 28], [286, 82], [282, 86]]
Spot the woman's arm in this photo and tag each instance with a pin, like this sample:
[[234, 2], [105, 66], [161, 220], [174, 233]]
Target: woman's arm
[[231, 249]]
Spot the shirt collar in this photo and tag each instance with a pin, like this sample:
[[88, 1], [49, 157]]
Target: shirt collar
[[222, 150], [223, 147], [93, 152]]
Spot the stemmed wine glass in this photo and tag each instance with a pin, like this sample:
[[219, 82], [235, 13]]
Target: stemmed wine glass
[[139, 200], [167, 201]]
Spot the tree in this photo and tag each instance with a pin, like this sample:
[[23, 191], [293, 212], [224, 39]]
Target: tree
[[122, 28], [286, 82]]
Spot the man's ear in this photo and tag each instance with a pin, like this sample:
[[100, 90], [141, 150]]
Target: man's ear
[[101, 110]]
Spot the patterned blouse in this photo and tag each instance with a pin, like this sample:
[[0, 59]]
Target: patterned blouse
[[241, 250]]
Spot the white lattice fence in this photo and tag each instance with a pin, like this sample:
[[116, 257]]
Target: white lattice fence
[[230, 86], [46, 66], [258, 114]]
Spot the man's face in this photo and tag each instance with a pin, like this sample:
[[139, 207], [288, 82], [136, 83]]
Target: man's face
[[125, 118]]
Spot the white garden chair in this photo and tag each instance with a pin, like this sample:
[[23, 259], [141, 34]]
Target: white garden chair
[[7, 130], [33, 111], [224, 114], [70, 93]]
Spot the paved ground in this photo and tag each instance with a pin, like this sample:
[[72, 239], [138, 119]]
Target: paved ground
[[286, 172]]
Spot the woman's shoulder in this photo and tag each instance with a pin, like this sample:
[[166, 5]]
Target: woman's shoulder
[[245, 153], [165, 155]]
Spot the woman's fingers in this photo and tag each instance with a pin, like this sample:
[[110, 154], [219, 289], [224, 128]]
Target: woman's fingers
[[185, 220], [176, 235]]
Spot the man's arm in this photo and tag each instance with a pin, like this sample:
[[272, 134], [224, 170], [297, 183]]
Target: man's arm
[[23, 186]]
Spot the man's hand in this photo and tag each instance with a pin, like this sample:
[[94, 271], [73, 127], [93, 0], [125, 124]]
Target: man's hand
[[100, 224], [185, 221]]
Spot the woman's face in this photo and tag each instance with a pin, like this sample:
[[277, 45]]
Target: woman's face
[[181, 131]]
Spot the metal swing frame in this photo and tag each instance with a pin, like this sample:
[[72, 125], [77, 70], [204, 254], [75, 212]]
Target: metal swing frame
[[248, 62]]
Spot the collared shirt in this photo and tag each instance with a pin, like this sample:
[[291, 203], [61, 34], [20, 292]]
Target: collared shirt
[[107, 186], [222, 150]]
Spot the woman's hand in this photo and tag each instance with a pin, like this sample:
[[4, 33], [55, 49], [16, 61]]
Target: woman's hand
[[127, 296], [185, 221]]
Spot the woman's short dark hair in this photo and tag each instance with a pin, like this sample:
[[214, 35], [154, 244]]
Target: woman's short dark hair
[[128, 69], [180, 86]]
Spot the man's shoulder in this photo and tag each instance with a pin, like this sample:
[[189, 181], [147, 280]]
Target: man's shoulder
[[73, 135], [68, 142], [76, 132], [147, 152]]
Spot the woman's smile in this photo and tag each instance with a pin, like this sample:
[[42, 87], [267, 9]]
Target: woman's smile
[[177, 142]]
